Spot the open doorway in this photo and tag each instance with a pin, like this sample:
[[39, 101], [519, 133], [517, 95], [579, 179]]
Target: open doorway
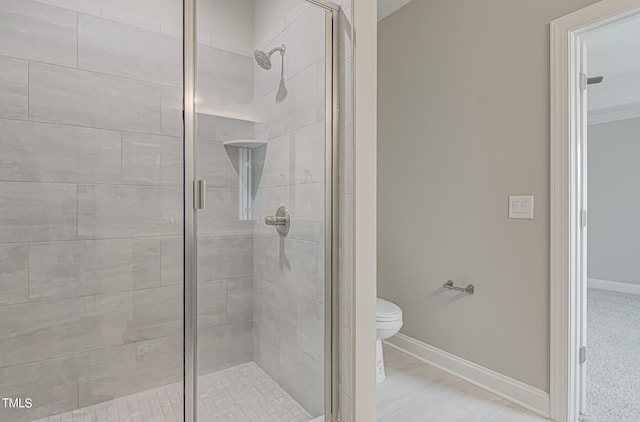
[[595, 270], [610, 385]]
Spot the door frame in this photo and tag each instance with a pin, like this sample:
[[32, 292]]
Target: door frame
[[567, 258], [194, 201]]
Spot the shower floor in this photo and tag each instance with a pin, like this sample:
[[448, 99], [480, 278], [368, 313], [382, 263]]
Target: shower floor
[[243, 393]]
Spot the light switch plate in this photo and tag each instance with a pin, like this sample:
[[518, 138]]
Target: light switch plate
[[521, 207]]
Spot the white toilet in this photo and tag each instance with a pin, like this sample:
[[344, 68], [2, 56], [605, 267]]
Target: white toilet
[[388, 323]]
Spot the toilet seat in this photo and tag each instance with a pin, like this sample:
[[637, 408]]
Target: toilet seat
[[387, 311]]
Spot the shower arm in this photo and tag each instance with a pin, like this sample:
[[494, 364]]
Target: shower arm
[[280, 49]]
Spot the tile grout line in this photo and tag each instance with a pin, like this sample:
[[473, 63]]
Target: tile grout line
[[101, 349], [28, 90], [77, 212], [77, 40]]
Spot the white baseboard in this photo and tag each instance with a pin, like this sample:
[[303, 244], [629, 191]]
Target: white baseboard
[[614, 286], [513, 390]]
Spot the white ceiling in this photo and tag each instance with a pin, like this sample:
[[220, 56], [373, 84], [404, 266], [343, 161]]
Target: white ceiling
[[614, 53], [387, 7]]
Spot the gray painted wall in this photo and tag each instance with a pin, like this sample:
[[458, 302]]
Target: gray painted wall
[[463, 123], [613, 198]]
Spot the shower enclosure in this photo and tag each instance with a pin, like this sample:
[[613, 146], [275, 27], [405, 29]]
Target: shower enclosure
[[174, 204]]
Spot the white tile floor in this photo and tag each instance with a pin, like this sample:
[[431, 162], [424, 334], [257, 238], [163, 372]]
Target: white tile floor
[[243, 393], [417, 392], [413, 392]]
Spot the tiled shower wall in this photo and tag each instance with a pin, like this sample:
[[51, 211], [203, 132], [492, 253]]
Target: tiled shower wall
[[289, 271], [90, 193], [91, 205]]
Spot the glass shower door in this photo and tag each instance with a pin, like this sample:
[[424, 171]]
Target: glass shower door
[[91, 210], [263, 128]]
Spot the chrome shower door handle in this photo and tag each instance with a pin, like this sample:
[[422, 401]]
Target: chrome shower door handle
[[281, 220]]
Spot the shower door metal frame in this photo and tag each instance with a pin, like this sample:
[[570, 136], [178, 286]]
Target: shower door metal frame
[[331, 222], [332, 212]]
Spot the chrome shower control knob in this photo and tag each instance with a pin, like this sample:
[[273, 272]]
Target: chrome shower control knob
[[281, 220]]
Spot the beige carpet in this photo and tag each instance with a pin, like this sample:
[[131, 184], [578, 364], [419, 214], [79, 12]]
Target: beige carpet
[[613, 362]]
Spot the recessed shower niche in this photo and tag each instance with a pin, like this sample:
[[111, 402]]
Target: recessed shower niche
[[247, 156]]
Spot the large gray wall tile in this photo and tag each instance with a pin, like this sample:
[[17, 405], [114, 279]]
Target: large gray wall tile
[[212, 303], [239, 303], [136, 19], [36, 331], [116, 372], [266, 351], [225, 79], [171, 261], [55, 328], [110, 47], [77, 97], [274, 163], [222, 257], [224, 346], [303, 105], [151, 159], [308, 154], [14, 88], [14, 273], [89, 267], [51, 384], [41, 152], [222, 213], [302, 377], [275, 321], [37, 212], [88, 7], [310, 328], [138, 315], [288, 263], [82, 379], [308, 200], [240, 283], [212, 163], [171, 111], [110, 211], [35, 31]]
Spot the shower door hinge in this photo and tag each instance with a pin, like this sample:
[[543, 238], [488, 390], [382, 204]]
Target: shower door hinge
[[583, 81], [199, 194], [583, 354]]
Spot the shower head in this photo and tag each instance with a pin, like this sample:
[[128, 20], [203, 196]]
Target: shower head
[[264, 59]]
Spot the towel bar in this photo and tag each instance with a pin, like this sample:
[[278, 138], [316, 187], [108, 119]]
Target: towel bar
[[470, 289]]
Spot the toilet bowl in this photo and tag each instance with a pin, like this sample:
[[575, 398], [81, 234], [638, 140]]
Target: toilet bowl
[[388, 323]]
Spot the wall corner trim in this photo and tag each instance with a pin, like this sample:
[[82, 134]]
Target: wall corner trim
[[509, 389]]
